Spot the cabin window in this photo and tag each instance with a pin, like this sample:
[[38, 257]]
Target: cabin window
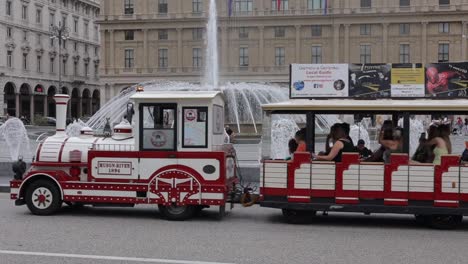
[[159, 126], [218, 120], [195, 127]]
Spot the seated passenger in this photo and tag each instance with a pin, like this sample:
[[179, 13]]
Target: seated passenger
[[435, 141], [329, 141], [377, 156], [300, 140], [423, 153], [393, 145], [347, 130], [444, 130], [363, 151], [342, 144], [292, 145]]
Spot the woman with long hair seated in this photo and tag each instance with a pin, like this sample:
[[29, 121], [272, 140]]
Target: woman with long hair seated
[[438, 139], [341, 144]]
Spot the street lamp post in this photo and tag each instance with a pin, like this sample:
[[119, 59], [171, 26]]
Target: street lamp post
[[61, 33]]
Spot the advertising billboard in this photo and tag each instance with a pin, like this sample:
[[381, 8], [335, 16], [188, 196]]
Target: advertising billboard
[[319, 80], [407, 80], [447, 79], [369, 80]]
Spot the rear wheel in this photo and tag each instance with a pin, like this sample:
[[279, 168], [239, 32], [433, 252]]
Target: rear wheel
[[444, 221], [177, 213], [297, 216], [43, 198]]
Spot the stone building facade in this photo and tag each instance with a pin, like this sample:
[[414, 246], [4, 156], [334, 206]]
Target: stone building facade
[[160, 39], [30, 60]]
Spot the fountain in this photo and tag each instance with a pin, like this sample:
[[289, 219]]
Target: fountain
[[16, 138]]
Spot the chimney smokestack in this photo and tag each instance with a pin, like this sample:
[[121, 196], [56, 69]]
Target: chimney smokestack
[[61, 101]]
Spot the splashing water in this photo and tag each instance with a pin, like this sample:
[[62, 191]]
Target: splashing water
[[359, 131], [212, 63], [74, 129], [282, 130], [15, 135]]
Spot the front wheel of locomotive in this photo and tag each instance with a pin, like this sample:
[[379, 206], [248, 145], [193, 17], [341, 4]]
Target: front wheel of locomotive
[[43, 198], [177, 213]]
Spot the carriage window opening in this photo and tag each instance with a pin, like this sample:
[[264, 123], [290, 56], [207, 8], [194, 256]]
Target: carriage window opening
[[159, 127], [195, 127]]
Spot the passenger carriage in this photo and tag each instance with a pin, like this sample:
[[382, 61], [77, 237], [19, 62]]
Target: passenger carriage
[[436, 194], [173, 156]]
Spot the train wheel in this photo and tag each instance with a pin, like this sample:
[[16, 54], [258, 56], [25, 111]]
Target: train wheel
[[43, 198], [444, 221], [298, 216], [177, 213]]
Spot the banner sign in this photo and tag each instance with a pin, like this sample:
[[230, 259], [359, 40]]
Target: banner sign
[[369, 80], [319, 80], [407, 80], [404, 80], [447, 79]]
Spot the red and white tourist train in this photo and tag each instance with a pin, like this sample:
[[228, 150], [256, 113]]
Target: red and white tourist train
[[173, 155]]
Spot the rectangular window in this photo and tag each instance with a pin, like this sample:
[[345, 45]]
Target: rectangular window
[[129, 34], [444, 52], [38, 16], [195, 127], [315, 4], [163, 34], [95, 51], [52, 18], [365, 30], [243, 33], [9, 32], [404, 29], [316, 30], [86, 69], [64, 21], [86, 29], [197, 33], [280, 32], [196, 57], [159, 126], [404, 53], [52, 44], [39, 62], [243, 5], [24, 12], [317, 54], [9, 59], [162, 7], [128, 7], [96, 32], [75, 68], [86, 48], [39, 38], [25, 61], [279, 56], [163, 59], [405, 3], [444, 27], [52, 61], [283, 5], [444, 2], [8, 8], [366, 3], [244, 57], [365, 53], [75, 25], [75, 46], [25, 35], [197, 6], [129, 58], [64, 67]]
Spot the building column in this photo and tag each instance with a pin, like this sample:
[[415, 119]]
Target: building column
[[261, 47], [464, 40], [180, 50], [298, 43], [111, 52], [145, 49], [336, 43], [385, 42], [346, 44], [424, 43], [31, 109], [45, 106], [17, 105]]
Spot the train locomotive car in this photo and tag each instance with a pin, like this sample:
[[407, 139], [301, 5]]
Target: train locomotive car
[[170, 151]]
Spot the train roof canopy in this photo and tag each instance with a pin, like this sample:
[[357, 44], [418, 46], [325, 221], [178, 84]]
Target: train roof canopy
[[175, 95], [369, 105]]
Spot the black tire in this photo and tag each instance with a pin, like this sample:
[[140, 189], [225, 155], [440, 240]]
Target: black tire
[[43, 198], [422, 219], [177, 213], [298, 216], [444, 221]]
